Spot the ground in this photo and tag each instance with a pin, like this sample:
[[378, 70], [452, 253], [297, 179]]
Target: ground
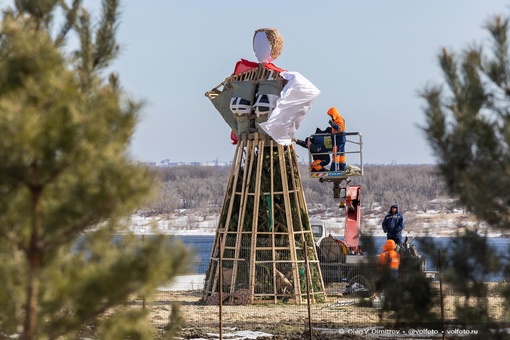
[[339, 317], [278, 321]]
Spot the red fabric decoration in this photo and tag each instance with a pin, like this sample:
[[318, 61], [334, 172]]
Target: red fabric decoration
[[244, 65], [233, 136]]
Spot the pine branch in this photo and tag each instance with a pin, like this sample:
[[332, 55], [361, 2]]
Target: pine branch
[[106, 48], [71, 14], [84, 55]]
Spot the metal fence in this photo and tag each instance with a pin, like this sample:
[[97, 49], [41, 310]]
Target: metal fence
[[417, 305]]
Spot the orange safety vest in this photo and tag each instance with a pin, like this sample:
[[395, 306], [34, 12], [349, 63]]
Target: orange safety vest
[[390, 258]]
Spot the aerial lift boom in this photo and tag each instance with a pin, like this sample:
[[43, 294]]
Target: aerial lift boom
[[349, 196]]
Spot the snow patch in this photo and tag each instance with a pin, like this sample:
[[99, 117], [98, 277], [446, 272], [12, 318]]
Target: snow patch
[[184, 283]]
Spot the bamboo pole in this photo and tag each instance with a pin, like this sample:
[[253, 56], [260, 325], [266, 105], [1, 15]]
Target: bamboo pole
[[300, 198], [271, 160], [229, 194], [256, 205], [308, 283], [220, 304], [252, 264], [213, 270], [242, 213], [290, 225]]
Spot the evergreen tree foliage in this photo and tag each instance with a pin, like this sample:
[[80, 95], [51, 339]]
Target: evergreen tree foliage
[[468, 126], [66, 182]]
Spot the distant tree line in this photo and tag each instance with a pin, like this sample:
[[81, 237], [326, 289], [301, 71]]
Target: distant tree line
[[412, 187]]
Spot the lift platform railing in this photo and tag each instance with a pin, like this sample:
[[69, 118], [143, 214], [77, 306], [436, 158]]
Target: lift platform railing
[[353, 152]]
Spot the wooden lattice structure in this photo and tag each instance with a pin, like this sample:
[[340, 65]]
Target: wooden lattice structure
[[264, 245], [264, 228]]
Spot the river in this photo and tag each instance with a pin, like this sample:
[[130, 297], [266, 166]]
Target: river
[[202, 246]]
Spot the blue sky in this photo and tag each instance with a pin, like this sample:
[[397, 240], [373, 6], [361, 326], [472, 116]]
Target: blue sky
[[368, 58]]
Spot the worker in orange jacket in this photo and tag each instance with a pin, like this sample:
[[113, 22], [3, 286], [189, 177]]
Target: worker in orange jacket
[[389, 258], [337, 123]]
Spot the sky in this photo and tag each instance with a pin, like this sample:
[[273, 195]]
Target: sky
[[370, 59]]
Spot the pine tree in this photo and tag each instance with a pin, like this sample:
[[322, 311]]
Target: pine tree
[[67, 183], [468, 126]]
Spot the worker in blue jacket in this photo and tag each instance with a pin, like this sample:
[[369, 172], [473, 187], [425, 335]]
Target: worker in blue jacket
[[393, 224]]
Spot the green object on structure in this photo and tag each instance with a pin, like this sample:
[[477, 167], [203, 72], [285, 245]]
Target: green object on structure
[[269, 208]]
